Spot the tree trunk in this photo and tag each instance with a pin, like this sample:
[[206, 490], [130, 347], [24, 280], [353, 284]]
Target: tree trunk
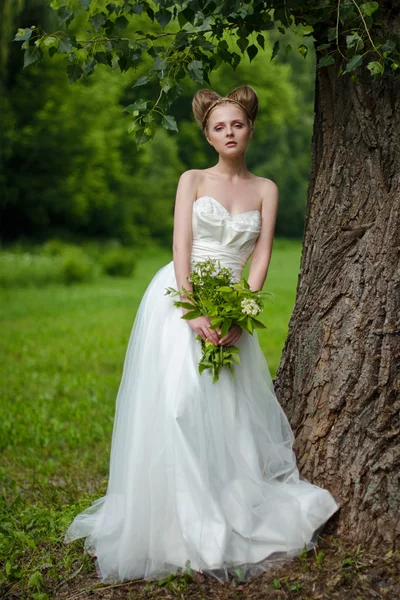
[[339, 375]]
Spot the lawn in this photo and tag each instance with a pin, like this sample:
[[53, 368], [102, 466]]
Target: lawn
[[61, 357]]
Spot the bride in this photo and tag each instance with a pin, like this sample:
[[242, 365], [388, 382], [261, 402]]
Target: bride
[[202, 474]]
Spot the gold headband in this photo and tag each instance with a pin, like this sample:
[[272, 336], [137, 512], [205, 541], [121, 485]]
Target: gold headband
[[209, 109]]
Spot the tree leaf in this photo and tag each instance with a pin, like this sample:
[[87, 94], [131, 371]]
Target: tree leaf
[[170, 123], [242, 43], [375, 67], [275, 50], [163, 16], [303, 50], [23, 34], [74, 73], [326, 60], [139, 105], [141, 137], [137, 8], [121, 23], [97, 21], [65, 15], [354, 63], [31, 55], [195, 69], [65, 45], [141, 81], [252, 51], [368, 8]]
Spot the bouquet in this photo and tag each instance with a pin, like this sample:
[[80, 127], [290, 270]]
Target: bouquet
[[226, 300]]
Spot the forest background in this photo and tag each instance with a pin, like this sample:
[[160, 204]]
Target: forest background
[[70, 170]]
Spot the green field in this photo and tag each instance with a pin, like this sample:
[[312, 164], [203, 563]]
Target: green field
[[62, 354]]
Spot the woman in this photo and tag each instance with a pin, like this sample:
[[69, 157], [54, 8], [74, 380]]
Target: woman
[[202, 474]]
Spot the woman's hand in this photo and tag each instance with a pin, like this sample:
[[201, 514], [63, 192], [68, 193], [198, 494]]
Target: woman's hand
[[202, 326], [232, 336]]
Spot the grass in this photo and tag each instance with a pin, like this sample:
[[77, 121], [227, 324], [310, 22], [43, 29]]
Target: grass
[[61, 357]]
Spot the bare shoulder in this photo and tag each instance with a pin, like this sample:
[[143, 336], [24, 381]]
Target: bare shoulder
[[190, 176], [268, 188]]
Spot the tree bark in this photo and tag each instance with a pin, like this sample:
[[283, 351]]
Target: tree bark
[[339, 375]]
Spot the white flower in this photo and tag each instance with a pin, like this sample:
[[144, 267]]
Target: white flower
[[250, 307]]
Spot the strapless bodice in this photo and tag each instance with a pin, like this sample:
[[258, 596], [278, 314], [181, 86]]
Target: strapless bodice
[[218, 234]]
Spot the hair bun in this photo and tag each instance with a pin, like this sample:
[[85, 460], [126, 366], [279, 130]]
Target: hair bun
[[205, 99]]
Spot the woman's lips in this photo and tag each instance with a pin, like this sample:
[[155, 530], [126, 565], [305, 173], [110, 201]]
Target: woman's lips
[[230, 144]]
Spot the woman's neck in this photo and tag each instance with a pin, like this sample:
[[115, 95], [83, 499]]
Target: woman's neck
[[234, 168]]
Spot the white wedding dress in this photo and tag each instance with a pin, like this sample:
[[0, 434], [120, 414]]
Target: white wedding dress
[[199, 472]]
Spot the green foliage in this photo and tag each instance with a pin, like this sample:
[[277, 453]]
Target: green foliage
[[59, 263], [118, 262], [188, 39], [69, 169]]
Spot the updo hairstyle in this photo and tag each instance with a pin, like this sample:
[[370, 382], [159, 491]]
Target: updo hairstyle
[[205, 100]]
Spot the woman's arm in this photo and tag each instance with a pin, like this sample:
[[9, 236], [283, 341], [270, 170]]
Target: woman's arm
[[183, 236], [262, 252]]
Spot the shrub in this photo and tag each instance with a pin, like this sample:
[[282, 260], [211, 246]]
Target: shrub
[[26, 269], [118, 262], [78, 267], [29, 269]]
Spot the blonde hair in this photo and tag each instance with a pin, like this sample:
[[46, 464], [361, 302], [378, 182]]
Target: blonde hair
[[205, 100]]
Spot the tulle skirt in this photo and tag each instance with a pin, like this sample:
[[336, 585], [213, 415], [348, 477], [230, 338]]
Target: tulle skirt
[[202, 475]]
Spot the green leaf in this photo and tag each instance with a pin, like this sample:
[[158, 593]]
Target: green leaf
[[23, 34], [85, 3], [193, 314], [275, 50], [36, 580], [141, 137], [74, 73], [166, 84], [258, 324], [354, 42], [141, 81], [375, 67], [368, 8], [236, 358], [326, 60], [331, 34], [170, 123], [31, 55], [138, 8], [354, 63], [226, 325], [97, 21], [242, 43], [261, 40], [163, 16], [186, 305], [195, 69], [139, 105], [65, 45], [50, 40], [303, 50], [252, 51], [307, 30], [65, 15], [121, 23]]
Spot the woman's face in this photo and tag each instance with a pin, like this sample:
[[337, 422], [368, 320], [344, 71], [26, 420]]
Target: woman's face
[[228, 124]]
